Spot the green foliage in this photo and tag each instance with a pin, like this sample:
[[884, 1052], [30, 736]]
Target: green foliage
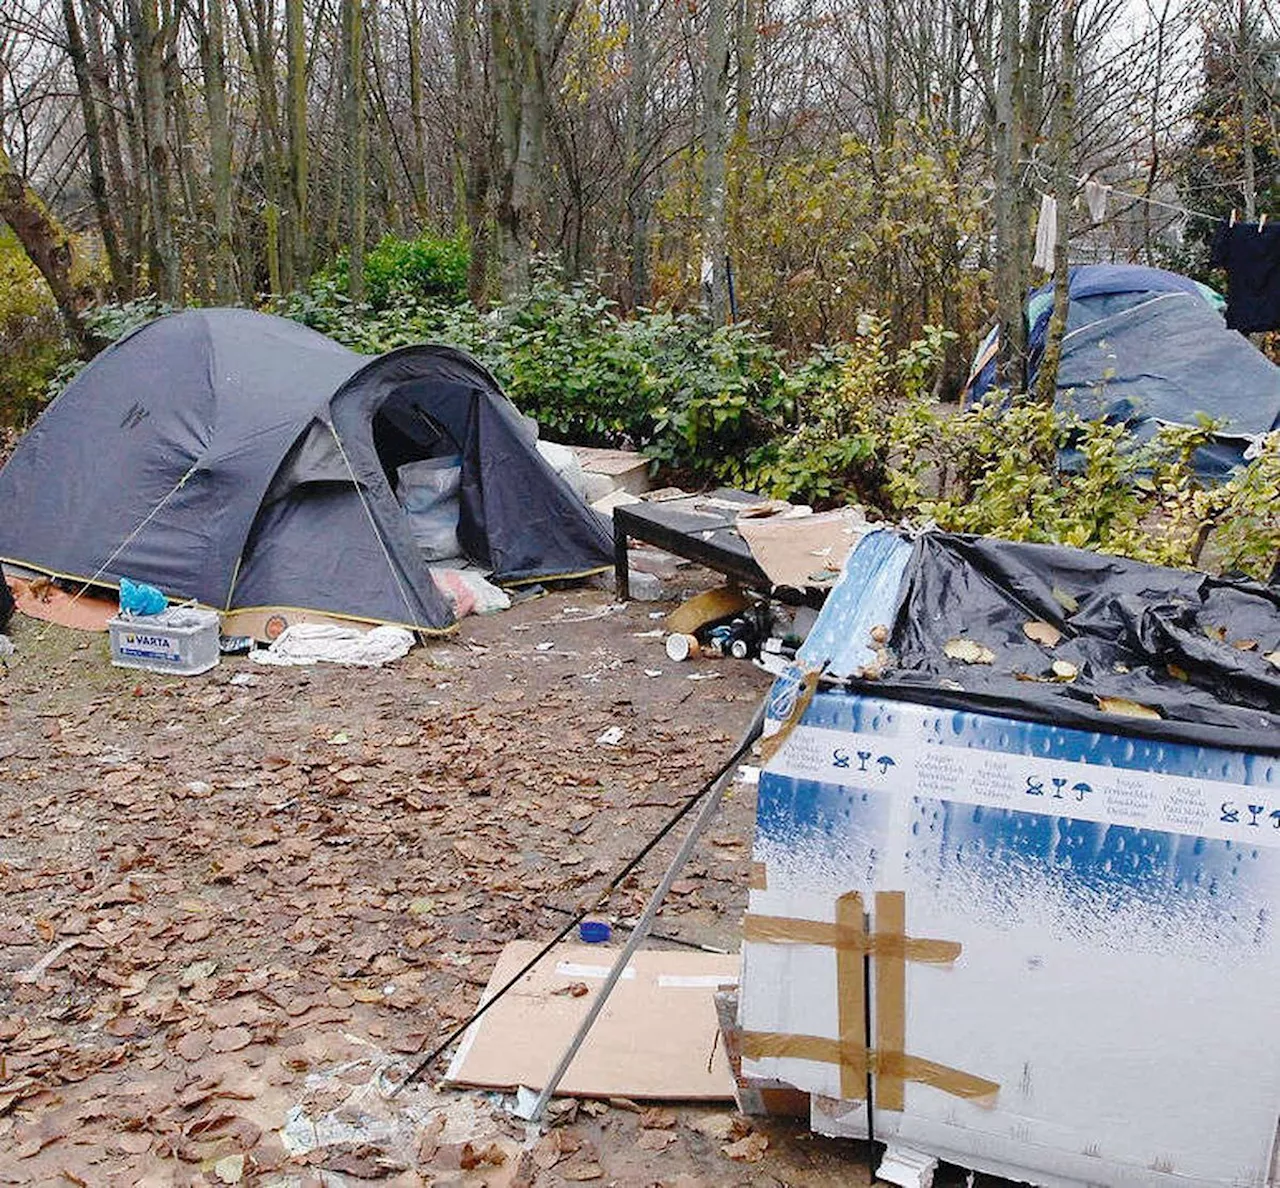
[[32, 342], [853, 422], [428, 268]]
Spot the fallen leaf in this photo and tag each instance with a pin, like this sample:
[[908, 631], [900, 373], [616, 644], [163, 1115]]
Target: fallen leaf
[[230, 1169], [193, 1045], [1126, 708], [968, 650], [1041, 632], [656, 1118], [655, 1140], [1065, 599], [747, 1150], [1244, 645], [1064, 670], [1273, 658], [573, 990], [231, 1039]]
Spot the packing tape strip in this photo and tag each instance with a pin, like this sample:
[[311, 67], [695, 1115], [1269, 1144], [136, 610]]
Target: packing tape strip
[[891, 997], [784, 930], [762, 1045], [758, 880]]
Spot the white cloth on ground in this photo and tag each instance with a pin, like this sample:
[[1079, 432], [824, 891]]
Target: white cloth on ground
[[1046, 233], [311, 643]]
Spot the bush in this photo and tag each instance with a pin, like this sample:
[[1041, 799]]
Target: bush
[[32, 342], [428, 268]]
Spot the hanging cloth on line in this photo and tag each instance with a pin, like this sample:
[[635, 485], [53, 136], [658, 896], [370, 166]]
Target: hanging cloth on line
[[1095, 198], [1250, 254], [1046, 233]]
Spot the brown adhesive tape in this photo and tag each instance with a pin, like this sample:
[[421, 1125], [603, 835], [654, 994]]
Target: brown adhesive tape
[[761, 1045], [784, 930], [891, 998], [759, 878]]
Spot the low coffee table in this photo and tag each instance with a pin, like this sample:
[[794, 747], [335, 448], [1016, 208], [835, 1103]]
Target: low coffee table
[[700, 528]]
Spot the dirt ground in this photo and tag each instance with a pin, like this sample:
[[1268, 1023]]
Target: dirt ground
[[236, 905]]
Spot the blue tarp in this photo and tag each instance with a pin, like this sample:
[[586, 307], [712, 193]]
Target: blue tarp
[[1146, 347]]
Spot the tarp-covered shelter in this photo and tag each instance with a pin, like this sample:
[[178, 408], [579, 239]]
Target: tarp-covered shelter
[[1145, 347], [249, 463]]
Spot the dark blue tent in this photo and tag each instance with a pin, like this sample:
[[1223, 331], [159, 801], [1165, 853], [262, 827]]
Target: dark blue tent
[[1149, 347], [247, 462]]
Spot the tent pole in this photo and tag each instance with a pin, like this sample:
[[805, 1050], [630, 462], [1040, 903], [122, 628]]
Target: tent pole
[[643, 925]]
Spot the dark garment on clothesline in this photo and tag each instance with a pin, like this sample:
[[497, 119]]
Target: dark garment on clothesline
[[1251, 256]]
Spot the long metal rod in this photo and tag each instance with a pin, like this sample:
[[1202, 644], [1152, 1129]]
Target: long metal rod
[[641, 928]]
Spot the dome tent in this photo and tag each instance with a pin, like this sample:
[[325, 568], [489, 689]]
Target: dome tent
[[247, 462], [1148, 347]]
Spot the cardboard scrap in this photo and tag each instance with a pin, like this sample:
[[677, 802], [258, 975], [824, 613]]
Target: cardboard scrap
[[792, 549], [40, 598], [656, 1039], [710, 606]]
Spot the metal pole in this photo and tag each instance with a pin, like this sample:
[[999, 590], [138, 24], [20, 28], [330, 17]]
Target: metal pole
[[642, 926]]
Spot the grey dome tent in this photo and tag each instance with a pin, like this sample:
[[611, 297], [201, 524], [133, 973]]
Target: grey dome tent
[[247, 462]]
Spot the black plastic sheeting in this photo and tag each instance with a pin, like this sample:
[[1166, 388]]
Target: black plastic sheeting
[[1174, 641], [6, 604]]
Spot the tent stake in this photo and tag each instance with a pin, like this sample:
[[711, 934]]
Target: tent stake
[[640, 930]]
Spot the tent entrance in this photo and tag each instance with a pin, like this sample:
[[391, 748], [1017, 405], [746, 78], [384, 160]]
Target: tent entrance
[[419, 433]]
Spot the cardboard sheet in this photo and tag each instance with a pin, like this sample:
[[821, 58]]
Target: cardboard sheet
[[657, 1038], [41, 599], [792, 549]]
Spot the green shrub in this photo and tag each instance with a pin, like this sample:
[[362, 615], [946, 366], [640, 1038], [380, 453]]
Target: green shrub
[[32, 342], [428, 268]]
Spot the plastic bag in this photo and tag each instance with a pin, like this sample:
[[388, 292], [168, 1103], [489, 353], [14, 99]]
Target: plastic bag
[[428, 492], [137, 598]]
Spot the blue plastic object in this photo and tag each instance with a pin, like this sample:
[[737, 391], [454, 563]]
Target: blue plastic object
[[137, 598], [594, 932]]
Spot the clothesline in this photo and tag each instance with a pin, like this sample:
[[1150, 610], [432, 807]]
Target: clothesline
[[1173, 206]]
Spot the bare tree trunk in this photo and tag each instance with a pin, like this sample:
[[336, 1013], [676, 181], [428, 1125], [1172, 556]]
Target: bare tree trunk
[[127, 209], [147, 39], [212, 40], [45, 242], [472, 148], [356, 140], [93, 146], [259, 38], [418, 166], [299, 164], [1063, 127], [1244, 67], [715, 88], [1011, 364], [639, 202]]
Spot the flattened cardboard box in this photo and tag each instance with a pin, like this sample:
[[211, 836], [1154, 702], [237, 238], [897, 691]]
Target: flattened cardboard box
[[656, 1039]]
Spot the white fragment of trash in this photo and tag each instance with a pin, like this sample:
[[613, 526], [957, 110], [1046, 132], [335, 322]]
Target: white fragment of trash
[[545, 646], [703, 676], [657, 614], [653, 672], [244, 678], [656, 633], [310, 643], [525, 1100], [611, 737]]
